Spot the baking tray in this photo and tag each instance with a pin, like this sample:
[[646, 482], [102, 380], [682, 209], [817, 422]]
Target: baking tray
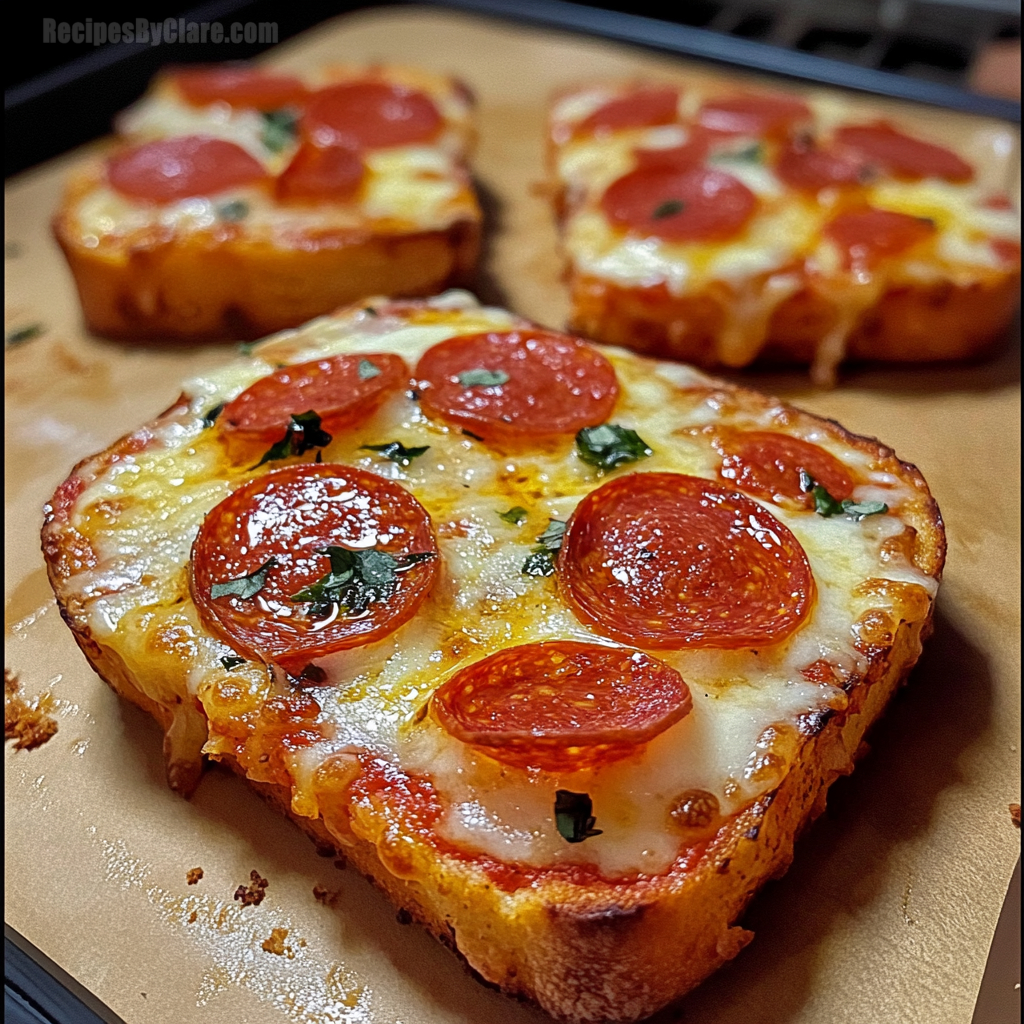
[[887, 913]]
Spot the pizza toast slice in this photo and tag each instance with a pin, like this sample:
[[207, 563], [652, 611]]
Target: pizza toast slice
[[722, 224], [559, 645], [238, 201]]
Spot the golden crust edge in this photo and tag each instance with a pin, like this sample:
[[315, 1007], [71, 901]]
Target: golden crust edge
[[188, 289]]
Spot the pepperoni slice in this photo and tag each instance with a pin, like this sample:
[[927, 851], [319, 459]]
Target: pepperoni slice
[[562, 706], [370, 115], [639, 109], [319, 173], [188, 165], [290, 515], [343, 390], [751, 114], [902, 154], [671, 561], [867, 236], [810, 168], [768, 466], [679, 206], [239, 86], [551, 384]]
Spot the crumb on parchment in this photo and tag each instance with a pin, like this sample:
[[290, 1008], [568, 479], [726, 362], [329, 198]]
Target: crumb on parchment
[[328, 897], [1015, 814], [193, 876], [275, 944], [28, 725], [193, 917], [252, 894]]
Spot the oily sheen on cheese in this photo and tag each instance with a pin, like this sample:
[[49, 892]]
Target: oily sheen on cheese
[[777, 283], [141, 514]]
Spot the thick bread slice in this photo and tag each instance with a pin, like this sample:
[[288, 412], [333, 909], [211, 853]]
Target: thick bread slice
[[585, 947]]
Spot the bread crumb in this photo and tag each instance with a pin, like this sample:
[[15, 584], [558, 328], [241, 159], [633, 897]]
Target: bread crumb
[[252, 894], [328, 897], [275, 944], [193, 917], [1015, 814], [28, 725], [193, 876]]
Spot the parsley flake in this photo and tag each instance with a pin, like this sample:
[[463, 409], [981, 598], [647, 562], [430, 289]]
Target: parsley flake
[[245, 586], [368, 370], [515, 516], [236, 210], [753, 154], [609, 446], [542, 560], [22, 334], [357, 579], [302, 433], [825, 505], [396, 451], [483, 378], [279, 128], [669, 208], [210, 416], [230, 661], [574, 816]]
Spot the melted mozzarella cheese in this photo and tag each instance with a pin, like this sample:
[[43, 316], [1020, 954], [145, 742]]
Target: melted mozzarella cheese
[[419, 187], [142, 512]]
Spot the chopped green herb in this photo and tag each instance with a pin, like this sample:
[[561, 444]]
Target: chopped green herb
[[357, 579], [753, 154], [245, 586], [279, 129], [246, 347], [469, 433], [483, 378], [542, 560], [301, 434], [370, 311], [574, 816], [515, 516], [230, 661], [210, 416], [609, 446], [825, 505], [669, 208], [396, 451], [26, 333], [236, 210], [368, 370]]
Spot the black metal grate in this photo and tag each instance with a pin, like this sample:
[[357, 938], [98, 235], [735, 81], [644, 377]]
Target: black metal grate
[[937, 40]]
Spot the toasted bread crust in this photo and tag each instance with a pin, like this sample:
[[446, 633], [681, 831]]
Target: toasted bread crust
[[194, 287], [909, 324], [601, 951]]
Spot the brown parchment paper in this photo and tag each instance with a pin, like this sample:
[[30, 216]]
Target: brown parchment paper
[[888, 911]]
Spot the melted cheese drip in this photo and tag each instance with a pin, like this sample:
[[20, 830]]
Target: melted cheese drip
[[483, 603]]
